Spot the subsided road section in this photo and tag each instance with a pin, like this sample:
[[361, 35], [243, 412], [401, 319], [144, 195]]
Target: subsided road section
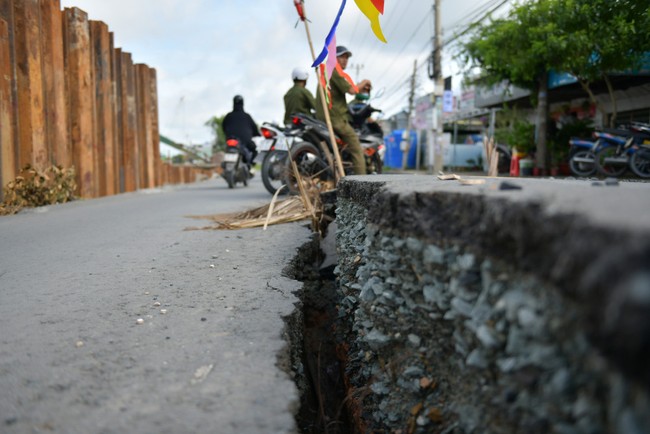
[[74, 280]]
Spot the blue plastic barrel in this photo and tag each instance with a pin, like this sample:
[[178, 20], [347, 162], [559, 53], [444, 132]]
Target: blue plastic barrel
[[394, 154]]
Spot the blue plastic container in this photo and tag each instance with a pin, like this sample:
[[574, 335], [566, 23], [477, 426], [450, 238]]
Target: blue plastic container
[[394, 154]]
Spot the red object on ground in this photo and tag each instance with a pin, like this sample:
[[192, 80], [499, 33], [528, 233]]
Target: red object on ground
[[514, 164]]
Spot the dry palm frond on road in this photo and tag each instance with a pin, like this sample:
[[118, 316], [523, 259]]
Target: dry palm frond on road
[[287, 210], [306, 205]]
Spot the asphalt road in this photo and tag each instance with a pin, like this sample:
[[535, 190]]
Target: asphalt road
[[74, 280]]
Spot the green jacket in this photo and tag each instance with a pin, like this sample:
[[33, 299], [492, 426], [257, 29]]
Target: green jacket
[[298, 100], [339, 87]]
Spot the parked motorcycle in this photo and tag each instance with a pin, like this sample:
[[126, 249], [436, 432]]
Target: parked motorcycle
[[640, 159], [306, 152], [234, 165], [640, 162], [272, 154], [370, 133], [582, 159], [620, 145]]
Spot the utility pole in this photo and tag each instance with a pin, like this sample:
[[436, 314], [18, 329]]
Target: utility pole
[[357, 68], [438, 90], [406, 137]]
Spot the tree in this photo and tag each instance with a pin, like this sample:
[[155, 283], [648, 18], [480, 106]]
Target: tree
[[517, 49], [587, 38], [216, 125], [601, 37]]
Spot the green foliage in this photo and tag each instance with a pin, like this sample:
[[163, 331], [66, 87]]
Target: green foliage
[[215, 123], [518, 134], [600, 36], [559, 141], [587, 38], [178, 159], [516, 49], [32, 188]]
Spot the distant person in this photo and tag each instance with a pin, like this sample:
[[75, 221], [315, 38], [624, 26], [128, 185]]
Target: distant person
[[241, 125], [298, 99], [340, 85]]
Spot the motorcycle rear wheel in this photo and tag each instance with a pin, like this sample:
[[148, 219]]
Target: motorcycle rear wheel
[[605, 168], [579, 168], [376, 165], [274, 171], [311, 166], [230, 179], [640, 163]]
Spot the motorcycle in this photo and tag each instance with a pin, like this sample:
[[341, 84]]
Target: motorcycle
[[640, 158], [272, 155], [234, 165], [313, 135], [310, 157], [370, 133], [582, 159], [620, 146]]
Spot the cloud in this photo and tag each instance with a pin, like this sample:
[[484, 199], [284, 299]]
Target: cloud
[[207, 51]]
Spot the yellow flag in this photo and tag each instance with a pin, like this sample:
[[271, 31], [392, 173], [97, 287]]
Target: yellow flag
[[369, 9]]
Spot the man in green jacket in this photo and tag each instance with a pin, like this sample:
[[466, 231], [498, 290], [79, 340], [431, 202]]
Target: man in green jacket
[[298, 99], [340, 85]]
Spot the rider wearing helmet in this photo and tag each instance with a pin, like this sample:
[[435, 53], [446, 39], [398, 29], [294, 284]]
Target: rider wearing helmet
[[340, 85], [241, 125], [298, 99]]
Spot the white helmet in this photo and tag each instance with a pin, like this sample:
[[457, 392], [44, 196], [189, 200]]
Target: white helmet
[[299, 74]]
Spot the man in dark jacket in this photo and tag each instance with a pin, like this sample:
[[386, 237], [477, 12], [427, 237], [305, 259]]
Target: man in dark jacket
[[241, 125]]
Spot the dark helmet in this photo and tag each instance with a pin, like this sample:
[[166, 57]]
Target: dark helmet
[[238, 99]]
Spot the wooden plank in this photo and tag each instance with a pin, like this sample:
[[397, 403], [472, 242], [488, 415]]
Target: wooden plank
[[129, 124], [119, 130], [155, 129], [56, 114], [149, 123], [80, 95], [141, 116], [103, 107], [31, 118], [7, 131], [114, 143]]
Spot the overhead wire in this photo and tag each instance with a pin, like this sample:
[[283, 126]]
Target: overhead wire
[[393, 25], [475, 16]]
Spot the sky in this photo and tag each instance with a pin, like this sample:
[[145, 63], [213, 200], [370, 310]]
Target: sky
[[207, 51]]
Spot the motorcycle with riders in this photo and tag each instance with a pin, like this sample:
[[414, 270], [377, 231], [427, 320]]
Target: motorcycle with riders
[[235, 167], [313, 141], [240, 128]]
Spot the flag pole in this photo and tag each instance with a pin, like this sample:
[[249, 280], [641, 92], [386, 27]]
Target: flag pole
[[339, 165]]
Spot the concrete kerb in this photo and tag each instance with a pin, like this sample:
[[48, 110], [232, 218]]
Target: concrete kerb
[[584, 242]]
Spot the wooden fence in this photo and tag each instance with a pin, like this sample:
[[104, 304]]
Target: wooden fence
[[68, 97]]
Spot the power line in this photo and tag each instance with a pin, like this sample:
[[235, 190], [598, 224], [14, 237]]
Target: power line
[[483, 11]]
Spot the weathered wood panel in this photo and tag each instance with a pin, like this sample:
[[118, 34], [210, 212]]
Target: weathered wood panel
[[7, 122], [119, 131], [80, 97], [68, 97], [31, 109], [8, 102], [141, 139], [104, 137], [129, 124], [114, 114], [146, 128], [56, 114], [155, 129]]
